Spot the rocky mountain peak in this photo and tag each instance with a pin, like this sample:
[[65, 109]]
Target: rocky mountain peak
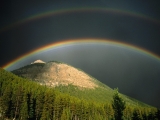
[[55, 73]]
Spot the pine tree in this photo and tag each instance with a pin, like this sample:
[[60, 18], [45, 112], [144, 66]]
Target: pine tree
[[151, 116], [24, 111], [144, 116], [118, 106], [17, 98], [157, 114], [66, 114], [48, 107], [6, 102], [30, 106], [39, 105], [136, 115]]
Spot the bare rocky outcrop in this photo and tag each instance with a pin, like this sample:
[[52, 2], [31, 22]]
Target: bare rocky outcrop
[[54, 74]]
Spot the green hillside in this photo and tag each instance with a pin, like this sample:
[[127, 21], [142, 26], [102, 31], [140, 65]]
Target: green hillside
[[27, 100]]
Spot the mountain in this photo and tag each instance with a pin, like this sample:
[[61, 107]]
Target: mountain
[[54, 74], [68, 79]]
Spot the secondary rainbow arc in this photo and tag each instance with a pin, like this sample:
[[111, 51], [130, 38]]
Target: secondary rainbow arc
[[79, 9], [80, 41]]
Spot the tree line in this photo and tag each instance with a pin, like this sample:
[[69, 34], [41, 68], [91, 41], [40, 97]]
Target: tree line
[[21, 99]]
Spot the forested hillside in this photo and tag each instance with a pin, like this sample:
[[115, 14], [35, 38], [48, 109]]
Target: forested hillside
[[22, 99], [73, 81]]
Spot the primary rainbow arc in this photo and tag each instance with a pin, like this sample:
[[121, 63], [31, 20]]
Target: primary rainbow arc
[[79, 41]]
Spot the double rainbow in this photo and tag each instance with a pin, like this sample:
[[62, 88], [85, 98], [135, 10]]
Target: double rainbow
[[78, 41]]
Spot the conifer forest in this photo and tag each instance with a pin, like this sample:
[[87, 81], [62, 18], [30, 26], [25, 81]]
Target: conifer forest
[[23, 99]]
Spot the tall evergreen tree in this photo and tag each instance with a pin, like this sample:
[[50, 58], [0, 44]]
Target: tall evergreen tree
[[24, 111], [66, 114], [144, 116], [17, 99], [39, 105], [157, 114], [118, 106], [30, 105], [48, 106], [136, 115], [151, 116], [6, 102]]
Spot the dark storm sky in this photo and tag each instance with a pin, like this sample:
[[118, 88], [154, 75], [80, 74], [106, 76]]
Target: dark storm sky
[[129, 28]]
